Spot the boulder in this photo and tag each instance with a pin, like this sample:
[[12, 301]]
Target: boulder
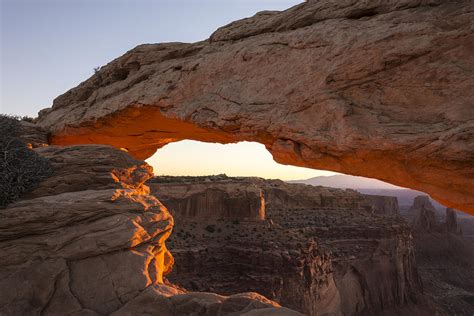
[[87, 240]]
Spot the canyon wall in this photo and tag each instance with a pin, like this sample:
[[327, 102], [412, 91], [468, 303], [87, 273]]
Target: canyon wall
[[383, 205], [445, 258], [369, 88], [211, 199], [319, 250], [424, 214]]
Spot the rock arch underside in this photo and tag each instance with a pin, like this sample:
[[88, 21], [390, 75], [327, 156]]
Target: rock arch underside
[[381, 89]]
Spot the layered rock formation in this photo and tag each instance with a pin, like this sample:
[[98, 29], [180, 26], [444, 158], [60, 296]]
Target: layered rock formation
[[235, 256], [424, 214], [383, 205], [370, 88], [361, 262], [162, 300], [210, 199], [451, 221], [90, 240], [245, 197], [445, 259], [87, 240]]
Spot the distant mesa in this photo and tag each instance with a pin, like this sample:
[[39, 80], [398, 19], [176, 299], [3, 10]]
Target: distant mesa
[[344, 181]]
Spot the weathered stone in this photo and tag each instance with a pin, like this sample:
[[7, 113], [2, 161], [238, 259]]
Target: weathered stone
[[383, 205], [210, 199], [90, 240], [362, 264], [424, 219], [161, 300], [451, 221], [87, 240], [370, 88]]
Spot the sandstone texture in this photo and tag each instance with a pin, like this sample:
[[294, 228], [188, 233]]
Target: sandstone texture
[[219, 197], [163, 300], [383, 205], [210, 199], [451, 221], [424, 214], [87, 240], [445, 258], [90, 240], [381, 89], [319, 250]]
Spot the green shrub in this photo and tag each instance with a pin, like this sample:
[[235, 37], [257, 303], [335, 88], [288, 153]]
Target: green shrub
[[21, 169]]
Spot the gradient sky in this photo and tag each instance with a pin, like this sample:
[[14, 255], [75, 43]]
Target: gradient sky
[[50, 46]]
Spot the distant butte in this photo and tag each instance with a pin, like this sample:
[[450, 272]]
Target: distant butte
[[375, 89]]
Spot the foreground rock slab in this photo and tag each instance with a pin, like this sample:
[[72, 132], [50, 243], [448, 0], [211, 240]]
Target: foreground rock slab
[[162, 300], [90, 240], [87, 240], [369, 88]]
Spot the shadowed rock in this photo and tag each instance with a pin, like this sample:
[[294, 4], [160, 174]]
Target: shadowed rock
[[451, 221], [424, 220], [90, 240], [362, 262], [383, 205], [87, 240]]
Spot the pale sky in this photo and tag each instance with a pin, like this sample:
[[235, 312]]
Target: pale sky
[[50, 46], [242, 159]]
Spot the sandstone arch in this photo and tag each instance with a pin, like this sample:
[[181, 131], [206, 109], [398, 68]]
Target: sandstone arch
[[377, 89]]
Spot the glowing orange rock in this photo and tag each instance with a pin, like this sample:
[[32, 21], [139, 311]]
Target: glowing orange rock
[[368, 89]]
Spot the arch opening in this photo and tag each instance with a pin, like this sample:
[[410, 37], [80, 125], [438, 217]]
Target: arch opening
[[141, 130]]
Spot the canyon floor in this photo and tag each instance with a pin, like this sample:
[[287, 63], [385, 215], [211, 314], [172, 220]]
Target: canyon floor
[[314, 249]]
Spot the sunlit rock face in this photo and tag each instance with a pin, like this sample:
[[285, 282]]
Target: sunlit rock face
[[376, 89], [90, 240], [87, 240]]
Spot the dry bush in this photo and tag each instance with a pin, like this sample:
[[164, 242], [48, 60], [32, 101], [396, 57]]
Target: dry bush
[[21, 169]]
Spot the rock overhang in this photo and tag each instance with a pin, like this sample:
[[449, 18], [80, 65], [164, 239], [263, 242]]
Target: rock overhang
[[384, 95]]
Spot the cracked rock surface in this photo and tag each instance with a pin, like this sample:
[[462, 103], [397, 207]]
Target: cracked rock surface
[[87, 240], [381, 89], [90, 240]]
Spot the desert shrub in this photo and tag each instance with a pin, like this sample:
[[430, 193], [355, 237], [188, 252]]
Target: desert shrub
[[28, 119], [21, 169]]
